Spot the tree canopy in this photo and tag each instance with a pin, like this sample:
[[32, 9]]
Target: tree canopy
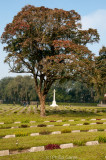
[[99, 78], [50, 44]]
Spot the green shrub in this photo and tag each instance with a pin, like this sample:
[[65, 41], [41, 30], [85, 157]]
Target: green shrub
[[102, 139], [44, 132], [21, 134], [100, 129], [64, 120], [66, 131], [84, 130], [41, 125], [15, 112], [23, 126], [52, 121], [86, 123], [25, 121], [32, 112], [23, 112]]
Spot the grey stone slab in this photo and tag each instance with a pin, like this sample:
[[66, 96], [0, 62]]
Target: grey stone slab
[[59, 121], [93, 119], [92, 123], [69, 145], [10, 136], [93, 130], [74, 131], [36, 149], [14, 127], [50, 125], [33, 126], [103, 119], [22, 110], [28, 109], [17, 122], [46, 121], [82, 119], [32, 121], [34, 134], [66, 124], [1, 122], [4, 152], [79, 124], [71, 120], [16, 109], [92, 143], [56, 132], [34, 109]]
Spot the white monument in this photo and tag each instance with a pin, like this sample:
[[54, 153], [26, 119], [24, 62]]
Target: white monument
[[54, 101]]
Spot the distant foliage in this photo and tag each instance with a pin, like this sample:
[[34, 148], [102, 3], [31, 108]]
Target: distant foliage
[[20, 89]]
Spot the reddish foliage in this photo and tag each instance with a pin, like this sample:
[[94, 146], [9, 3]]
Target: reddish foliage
[[49, 44], [99, 122], [52, 146]]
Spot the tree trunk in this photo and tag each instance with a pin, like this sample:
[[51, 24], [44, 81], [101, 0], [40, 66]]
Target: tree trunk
[[42, 107]]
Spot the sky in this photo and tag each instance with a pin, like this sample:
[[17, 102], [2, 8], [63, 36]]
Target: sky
[[93, 15]]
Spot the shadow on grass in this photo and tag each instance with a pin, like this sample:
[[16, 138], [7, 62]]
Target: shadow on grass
[[70, 113]]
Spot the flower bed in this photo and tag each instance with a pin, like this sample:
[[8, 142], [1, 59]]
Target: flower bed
[[52, 146]]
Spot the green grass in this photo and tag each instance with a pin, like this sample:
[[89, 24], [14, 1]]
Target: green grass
[[28, 141], [4, 132], [60, 113], [77, 153]]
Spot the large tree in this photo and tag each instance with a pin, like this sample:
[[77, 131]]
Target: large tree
[[49, 44]]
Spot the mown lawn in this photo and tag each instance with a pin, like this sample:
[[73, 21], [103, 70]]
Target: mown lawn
[[10, 114], [78, 153]]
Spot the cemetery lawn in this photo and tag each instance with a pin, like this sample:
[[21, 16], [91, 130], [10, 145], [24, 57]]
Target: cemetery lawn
[[91, 117], [79, 153]]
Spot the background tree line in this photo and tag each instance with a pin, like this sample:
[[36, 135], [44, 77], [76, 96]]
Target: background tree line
[[20, 88]]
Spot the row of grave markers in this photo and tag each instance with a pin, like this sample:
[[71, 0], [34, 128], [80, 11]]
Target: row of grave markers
[[55, 132], [42, 148], [54, 125], [103, 119]]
